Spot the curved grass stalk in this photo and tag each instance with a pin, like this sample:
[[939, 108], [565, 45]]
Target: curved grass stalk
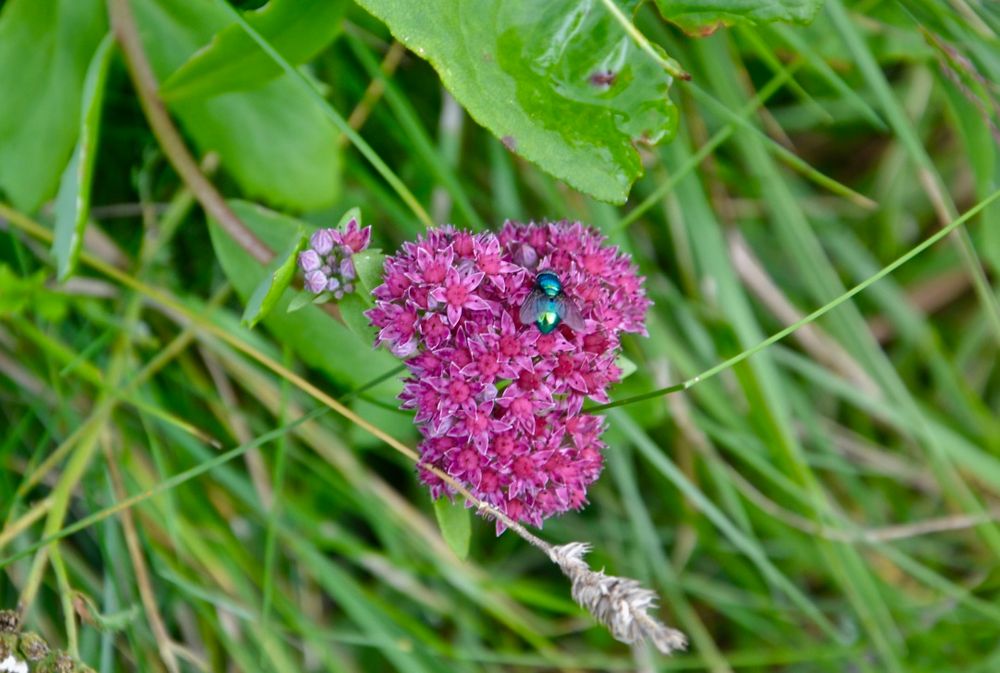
[[822, 310], [739, 118]]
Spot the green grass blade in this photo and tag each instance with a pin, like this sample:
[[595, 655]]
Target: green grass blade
[[73, 199]]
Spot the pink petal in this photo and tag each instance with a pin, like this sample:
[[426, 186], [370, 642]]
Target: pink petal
[[472, 281], [476, 303]]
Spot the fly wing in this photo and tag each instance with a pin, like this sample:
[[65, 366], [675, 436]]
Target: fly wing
[[570, 314], [533, 307]]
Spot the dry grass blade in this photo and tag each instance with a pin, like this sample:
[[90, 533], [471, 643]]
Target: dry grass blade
[[811, 336], [621, 604], [139, 567]]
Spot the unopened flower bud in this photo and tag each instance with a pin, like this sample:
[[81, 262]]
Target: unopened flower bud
[[309, 260], [315, 281], [322, 241], [347, 269], [33, 647]]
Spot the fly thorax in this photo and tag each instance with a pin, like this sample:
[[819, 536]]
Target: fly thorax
[[549, 283]]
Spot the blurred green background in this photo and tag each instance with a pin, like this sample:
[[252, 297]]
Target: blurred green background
[[827, 503]]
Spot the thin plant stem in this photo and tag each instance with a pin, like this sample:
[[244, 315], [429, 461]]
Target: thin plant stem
[[672, 67], [793, 160], [271, 537], [719, 137], [65, 600], [28, 519], [926, 172], [146, 594], [61, 495], [359, 115], [366, 150], [182, 477], [822, 310], [163, 486], [173, 144], [123, 391], [169, 138]]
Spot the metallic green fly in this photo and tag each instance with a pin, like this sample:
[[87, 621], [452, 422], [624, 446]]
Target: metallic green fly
[[547, 306]]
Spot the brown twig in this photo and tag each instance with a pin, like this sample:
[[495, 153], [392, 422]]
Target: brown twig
[[146, 86], [166, 133], [859, 534], [855, 534], [860, 451]]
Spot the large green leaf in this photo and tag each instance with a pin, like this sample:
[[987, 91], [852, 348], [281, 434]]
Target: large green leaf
[[275, 140], [73, 199], [703, 17], [558, 81], [45, 46], [298, 29], [319, 340]]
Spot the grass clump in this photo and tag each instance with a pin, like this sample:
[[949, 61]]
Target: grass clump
[[803, 465]]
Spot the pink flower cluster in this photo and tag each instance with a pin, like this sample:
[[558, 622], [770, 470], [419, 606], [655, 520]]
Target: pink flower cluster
[[499, 403], [327, 261]]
